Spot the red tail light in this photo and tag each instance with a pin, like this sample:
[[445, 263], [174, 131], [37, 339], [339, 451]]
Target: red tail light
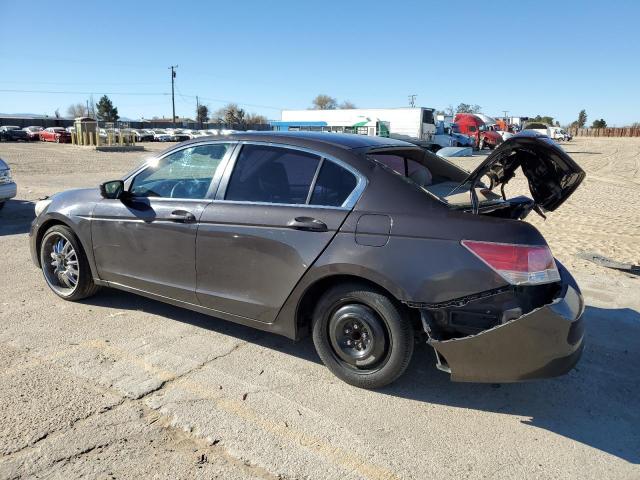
[[517, 264]]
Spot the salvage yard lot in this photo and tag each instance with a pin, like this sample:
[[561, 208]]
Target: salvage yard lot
[[119, 386]]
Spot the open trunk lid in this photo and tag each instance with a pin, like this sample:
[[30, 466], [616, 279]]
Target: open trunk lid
[[552, 174]]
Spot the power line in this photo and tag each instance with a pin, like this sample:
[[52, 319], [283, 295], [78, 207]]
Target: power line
[[98, 92], [7, 90]]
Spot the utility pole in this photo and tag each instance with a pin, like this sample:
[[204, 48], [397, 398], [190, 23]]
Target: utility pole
[[198, 112], [412, 100], [173, 100]]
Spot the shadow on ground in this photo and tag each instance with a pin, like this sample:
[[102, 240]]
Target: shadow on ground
[[16, 217], [597, 404]]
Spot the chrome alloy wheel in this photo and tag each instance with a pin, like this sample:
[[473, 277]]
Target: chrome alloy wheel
[[60, 263], [357, 335]]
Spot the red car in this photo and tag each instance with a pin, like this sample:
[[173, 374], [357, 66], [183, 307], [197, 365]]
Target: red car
[[55, 134], [473, 126]]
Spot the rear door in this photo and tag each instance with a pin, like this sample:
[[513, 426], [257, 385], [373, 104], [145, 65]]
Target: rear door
[[276, 210], [146, 241]]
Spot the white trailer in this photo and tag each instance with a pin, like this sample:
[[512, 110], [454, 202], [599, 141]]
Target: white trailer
[[415, 124]]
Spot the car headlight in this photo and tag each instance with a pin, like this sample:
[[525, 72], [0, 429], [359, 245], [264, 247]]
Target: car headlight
[[41, 205]]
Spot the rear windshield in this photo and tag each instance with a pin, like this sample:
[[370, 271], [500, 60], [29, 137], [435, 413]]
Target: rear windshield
[[434, 175]]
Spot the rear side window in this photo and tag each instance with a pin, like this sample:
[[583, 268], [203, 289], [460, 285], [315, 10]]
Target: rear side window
[[272, 174], [333, 185]]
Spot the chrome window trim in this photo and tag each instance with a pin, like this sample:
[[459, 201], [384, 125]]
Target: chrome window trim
[[215, 180], [348, 204]]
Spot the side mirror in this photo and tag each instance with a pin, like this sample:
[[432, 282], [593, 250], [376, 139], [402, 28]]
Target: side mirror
[[113, 189]]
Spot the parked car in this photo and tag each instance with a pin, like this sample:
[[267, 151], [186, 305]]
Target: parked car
[[12, 133], [368, 243], [33, 133], [160, 135], [143, 135], [473, 126], [8, 188], [536, 127], [55, 134]]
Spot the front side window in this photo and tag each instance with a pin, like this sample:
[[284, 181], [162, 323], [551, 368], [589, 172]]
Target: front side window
[[472, 128], [186, 173], [264, 173]]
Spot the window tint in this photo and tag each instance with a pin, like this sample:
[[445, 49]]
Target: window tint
[[472, 128], [186, 173], [333, 185], [272, 174]]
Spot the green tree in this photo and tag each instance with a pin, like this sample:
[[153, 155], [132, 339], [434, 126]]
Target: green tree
[[202, 114], [582, 119], [324, 102], [547, 120], [467, 108], [599, 123], [106, 111]]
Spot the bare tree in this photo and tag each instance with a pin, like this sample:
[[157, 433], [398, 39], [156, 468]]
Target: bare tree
[[76, 110], [231, 114], [467, 108], [256, 119], [346, 104], [57, 112], [324, 102]]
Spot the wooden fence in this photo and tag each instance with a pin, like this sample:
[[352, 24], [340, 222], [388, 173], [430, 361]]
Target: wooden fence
[[606, 132]]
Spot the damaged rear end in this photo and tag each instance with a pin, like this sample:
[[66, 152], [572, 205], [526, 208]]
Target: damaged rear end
[[531, 327], [520, 332]]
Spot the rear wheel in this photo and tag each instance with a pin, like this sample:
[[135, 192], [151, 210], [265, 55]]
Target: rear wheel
[[64, 264], [361, 336]]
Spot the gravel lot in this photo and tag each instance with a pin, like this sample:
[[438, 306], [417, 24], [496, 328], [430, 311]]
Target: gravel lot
[[119, 386]]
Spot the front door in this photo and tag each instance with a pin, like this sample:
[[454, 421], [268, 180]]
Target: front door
[[146, 240], [274, 215]]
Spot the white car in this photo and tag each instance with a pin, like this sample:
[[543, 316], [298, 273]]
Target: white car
[[160, 135], [559, 134], [8, 188]]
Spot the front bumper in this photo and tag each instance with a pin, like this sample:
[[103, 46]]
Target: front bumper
[[7, 191], [546, 342]]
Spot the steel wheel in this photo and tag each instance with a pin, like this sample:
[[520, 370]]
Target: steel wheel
[[358, 337], [60, 264]]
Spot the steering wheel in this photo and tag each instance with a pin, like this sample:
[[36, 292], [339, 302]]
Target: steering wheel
[[183, 189]]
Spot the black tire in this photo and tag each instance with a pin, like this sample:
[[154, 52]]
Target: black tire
[[385, 335], [1, 205], [63, 284]]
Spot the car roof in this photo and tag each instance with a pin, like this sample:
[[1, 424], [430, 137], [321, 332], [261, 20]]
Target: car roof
[[346, 141]]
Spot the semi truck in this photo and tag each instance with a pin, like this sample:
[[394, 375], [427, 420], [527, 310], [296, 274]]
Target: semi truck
[[414, 124]]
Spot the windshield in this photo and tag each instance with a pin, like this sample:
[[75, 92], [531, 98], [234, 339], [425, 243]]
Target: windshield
[[482, 128], [455, 128]]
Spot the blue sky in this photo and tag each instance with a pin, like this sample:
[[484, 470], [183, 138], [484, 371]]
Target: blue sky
[[527, 57]]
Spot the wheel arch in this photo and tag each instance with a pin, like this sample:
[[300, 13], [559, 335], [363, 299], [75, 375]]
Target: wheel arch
[[57, 220], [313, 292]]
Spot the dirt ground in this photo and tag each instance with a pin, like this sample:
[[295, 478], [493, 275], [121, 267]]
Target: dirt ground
[[119, 386]]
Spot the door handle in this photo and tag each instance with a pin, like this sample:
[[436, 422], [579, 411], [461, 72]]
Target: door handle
[[182, 216], [307, 223]]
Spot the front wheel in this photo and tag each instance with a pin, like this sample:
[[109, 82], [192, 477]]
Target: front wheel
[[64, 264], [361, 336]]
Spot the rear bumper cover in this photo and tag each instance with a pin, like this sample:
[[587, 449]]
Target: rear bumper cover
[[546, 342]]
